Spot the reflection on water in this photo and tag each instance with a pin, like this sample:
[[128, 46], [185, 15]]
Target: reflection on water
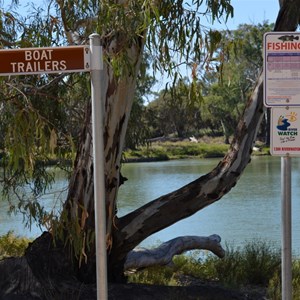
[[52, 200], [250, 210]]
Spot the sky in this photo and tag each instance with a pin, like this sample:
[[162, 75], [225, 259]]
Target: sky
[[245, 11], [253, 12]]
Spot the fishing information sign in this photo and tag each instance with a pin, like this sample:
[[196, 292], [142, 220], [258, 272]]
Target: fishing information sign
[[28, 61], [282, 69]]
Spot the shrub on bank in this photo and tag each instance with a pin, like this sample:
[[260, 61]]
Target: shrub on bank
[[182, 149], [176, 150], [257, 264], [254, 264], [11, 245]]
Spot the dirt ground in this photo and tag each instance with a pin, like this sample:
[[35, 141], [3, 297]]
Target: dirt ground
[[190, 289], [192, 292]]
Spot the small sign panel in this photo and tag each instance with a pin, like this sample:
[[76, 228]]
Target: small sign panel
[[44, 60], [285, 131], [282, 69]]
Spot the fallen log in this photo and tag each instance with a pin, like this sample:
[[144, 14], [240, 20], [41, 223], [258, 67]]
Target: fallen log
[[140, 258], [45, 272]]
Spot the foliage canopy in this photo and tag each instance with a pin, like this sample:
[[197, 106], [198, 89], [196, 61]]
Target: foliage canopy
[[33, 130]]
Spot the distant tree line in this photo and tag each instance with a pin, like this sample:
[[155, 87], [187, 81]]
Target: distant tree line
[[212, 100]]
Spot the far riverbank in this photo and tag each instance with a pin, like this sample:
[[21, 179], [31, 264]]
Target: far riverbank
[[181, 149]]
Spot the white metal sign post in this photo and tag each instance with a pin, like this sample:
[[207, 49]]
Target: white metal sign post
[[29, 61], [99, 179], [285, 142], [282, 94], [286, 229]]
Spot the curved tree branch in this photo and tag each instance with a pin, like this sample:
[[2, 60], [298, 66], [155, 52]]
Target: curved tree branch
[[288, 17], [184, 202], [140, 258]]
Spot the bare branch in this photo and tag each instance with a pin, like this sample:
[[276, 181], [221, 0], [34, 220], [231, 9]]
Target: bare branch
[[184, 202]]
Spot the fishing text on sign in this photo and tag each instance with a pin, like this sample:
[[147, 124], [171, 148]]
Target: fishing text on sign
[[282, 69]]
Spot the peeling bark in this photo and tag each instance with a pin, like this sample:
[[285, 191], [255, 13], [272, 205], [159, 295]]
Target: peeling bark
[[184, 202], [46, 266], [288, 18]]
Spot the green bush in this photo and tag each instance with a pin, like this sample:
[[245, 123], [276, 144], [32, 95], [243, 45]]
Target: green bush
[[274, 287], [11, 245], [261, 260], [177, 150], [257, 263], [229, 269], [154, 275], [254, 264], [187, 149]]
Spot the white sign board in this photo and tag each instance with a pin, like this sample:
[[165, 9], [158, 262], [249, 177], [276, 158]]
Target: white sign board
[[282, 69], [285, 131]]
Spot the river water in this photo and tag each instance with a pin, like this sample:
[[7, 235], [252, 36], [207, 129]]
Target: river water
[[252, 209]]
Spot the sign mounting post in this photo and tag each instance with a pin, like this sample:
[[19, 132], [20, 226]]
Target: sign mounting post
[[286, 228], [30, 61], [282, 94], [99, 179]]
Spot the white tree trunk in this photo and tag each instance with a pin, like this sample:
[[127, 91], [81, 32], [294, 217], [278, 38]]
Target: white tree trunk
[[125, 233]]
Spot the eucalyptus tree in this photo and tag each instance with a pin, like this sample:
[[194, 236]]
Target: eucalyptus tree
[[225, 94], [138, 131], [175, 111], [172, 30]]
